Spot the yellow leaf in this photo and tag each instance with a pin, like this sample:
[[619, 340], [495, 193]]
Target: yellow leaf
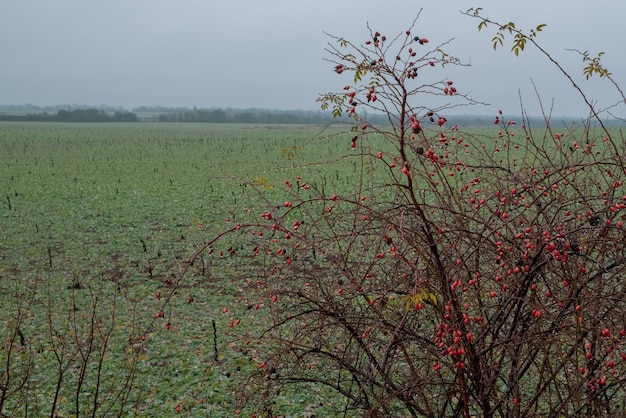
[[420, 296]]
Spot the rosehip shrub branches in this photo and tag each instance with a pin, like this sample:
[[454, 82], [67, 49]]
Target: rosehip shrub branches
[[463, 274]]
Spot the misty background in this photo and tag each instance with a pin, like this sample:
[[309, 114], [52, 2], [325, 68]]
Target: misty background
[[269, 55]]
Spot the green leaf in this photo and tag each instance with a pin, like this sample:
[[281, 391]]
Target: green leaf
[[498, 39], [374, 82], [358, 74]]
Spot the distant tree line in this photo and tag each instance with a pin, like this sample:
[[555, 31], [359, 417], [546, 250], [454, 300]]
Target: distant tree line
[[246, 116], [31, 108], [103, 113], [76, 115], [263, 116], [269, 116]]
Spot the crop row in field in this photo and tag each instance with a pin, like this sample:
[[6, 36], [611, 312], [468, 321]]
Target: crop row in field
[[97, 220], [109, 211]]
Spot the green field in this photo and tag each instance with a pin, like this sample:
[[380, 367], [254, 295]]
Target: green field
[[96, 220], [100, 317]]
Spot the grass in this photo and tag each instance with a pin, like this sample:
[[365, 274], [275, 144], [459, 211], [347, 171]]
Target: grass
[[97, 220], [104, 214]]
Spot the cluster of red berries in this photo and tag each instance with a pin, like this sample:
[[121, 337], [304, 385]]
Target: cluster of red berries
[[449, 90], [415, 124], [376, 39]]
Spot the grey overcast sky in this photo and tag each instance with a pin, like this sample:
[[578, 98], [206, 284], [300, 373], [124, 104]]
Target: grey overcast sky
[[269, 54]]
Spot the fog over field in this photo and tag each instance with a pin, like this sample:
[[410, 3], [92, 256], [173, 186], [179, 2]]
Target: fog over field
[[251, 54]]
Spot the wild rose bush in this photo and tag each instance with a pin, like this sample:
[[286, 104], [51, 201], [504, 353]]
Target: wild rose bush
[[464, 274]]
